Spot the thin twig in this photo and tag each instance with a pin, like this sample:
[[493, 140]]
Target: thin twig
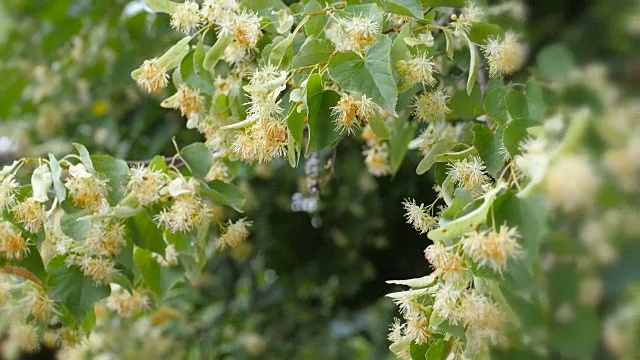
[[176, 160]]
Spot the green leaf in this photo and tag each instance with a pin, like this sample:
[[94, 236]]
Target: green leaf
[[399, 143], [56, 173], [405, 7], [438, 350], [295, 123], [399, 47], [173, 57], [450, 48], [555, 62], [457, 155], [371, 10], [316, 23], [164, 6], [198, 158], [73, 228], [159, 279], [313, 51], [473, 67], [514, 133], [489, 146], [117, 171], [447, 3], [215, 53], [427, 162], [464, 106], [461, 198], [516, 104], [529, 215], [190, 75], [145, 233], [535, 100], [33, 262], [285, 21], [370, 76], [577, 339], [379, 127], [418, 352], [225, 194], [86, 158], [158, 163], [70, 287], [494, 105], [319, 103], [454, 230], [282, 52], [480, 31]]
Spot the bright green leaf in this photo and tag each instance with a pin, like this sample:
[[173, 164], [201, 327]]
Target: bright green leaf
[[313, 51], [427, 162], [370, 76], [117, 172], [555, 62], [319, 104], [158, 278], [399, 143], [480, 31], [514, 133], [516, 104], [535, 100], [198, 158], [164, 6], [379, 127], [314, 26], [489, 146], [145, 233], [56, 173], [215, 53], [494, 105], [73, 228], [454, 230], [70, 287], [473, 67], [295, 123], [86, 158], [225, 194], [447, 3], [405, 7]]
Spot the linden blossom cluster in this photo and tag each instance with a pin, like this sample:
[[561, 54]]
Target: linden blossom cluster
[[25, 217]]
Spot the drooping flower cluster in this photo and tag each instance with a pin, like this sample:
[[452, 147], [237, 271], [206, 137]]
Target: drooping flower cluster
[[417, 70], [153, 76], [431, 106], [265, 137], [504, 56], [145, 184], [87, 190], [469, 174], [233, 234], [12, 244], [435, 132], [187, 210], [126, 303], [493, 249], [462, 23], [186, 17], [353, 33], [351, 112], [419, 216], [377, 158]]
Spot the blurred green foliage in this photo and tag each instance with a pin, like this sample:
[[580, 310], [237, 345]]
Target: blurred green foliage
[[307, 286]]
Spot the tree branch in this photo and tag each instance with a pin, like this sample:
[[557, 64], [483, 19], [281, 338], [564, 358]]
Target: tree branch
[[176, 160]]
